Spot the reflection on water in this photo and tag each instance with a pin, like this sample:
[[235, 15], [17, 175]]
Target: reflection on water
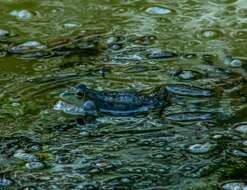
[[194, 48]]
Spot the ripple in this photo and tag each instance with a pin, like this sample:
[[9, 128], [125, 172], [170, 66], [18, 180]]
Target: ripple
[[3, 53], [210, 34], [40, 66], [4, 33], [240, 34], [190, 116], [187, 74], [242, 128], [158, 10], [38, 86], [244, 143], [150, 148], [158, 54], [71, 25], [89, 185], [201, 171], [145, 40], [239, 153], [22, 155], [22, 14], [188, 90], [234, 186], [226, 2], [34, 165], [236, 63], [200, 148], [5, 182], [29, 45], [232, 62]]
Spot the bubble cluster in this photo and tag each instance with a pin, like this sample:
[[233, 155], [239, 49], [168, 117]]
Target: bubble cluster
[[22, 14]]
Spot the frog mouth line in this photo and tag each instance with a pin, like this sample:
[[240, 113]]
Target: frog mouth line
[[69, 108], [72, 109]]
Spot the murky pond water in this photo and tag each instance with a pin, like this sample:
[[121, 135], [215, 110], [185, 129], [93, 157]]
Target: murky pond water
[[197, 49]]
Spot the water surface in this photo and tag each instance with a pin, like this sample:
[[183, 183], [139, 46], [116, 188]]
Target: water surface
[[198, 142]]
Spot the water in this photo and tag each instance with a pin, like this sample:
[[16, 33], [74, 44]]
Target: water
[[198, 142]]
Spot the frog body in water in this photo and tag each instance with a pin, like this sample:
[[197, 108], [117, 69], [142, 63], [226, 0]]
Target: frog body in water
[[110, 102]]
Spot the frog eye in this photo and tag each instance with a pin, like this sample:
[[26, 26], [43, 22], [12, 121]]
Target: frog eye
[[80, 94], [80, 90]]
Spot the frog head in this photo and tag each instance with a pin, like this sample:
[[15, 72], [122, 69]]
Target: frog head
[[74, 103]]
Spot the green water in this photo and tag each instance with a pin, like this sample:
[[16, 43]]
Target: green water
[[141, 152]]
